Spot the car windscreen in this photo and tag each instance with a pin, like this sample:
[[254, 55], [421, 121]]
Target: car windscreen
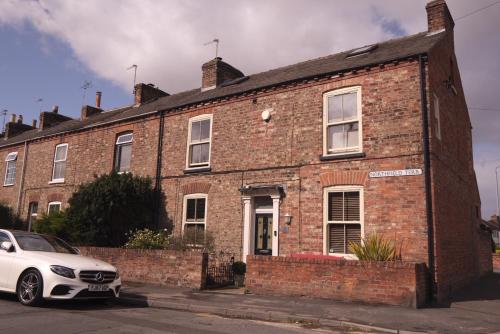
[[43, 243]]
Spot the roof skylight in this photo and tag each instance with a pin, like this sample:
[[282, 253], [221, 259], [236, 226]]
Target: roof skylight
[[362, 50]]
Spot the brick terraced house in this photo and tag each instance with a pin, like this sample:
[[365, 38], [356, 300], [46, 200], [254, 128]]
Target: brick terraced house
[[299, 159]]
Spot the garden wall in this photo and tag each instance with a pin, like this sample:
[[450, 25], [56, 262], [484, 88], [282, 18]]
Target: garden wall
[[392, 283], [496, 261], [165, 267]]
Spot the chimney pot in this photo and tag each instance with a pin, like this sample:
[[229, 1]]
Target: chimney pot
[[33, 124], [13, 118], [98, 96], [55, 109], [20, 119]]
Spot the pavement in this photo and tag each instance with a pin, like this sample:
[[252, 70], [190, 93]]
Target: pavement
[[79, 317], [474, 310]]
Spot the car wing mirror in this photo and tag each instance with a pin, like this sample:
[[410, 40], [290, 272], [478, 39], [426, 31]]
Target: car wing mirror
[[7, 246]]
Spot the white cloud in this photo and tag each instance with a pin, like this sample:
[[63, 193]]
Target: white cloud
[[165, 38]]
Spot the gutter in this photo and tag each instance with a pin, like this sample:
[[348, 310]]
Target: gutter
[[427, 176], [158, 178], [21, 185]]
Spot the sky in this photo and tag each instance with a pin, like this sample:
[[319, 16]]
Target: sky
[[50, 48]]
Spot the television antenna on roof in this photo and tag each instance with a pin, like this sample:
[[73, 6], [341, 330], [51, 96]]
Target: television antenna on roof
[[216, 42], [86, 85], [134, 66]]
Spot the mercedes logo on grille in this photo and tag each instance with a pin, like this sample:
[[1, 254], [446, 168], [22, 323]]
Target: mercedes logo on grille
[[99, 277]]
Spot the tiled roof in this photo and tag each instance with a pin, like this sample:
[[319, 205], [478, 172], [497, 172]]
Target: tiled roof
[[395, 49]]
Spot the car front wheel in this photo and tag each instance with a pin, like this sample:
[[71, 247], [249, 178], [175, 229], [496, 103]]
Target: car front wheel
[[30, 288]]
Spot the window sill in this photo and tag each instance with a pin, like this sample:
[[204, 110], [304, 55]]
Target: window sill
[[56, 181], [340, 156], [8, 185], [345, 256], [197, 170]]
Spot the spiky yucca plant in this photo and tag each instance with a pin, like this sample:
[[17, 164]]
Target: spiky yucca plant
[[374, 248]]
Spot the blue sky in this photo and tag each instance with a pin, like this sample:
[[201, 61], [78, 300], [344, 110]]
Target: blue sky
[[34, 66], [50, 47]]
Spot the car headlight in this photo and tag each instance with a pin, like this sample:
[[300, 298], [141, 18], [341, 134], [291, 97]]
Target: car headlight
[[63, 271], [117, 274]]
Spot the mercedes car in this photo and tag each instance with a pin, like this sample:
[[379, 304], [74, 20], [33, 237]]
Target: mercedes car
[[37, 267]]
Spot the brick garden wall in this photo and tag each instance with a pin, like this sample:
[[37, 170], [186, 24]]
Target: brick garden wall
[[485, 255], [169, 268], [496, 261], [371, 282]]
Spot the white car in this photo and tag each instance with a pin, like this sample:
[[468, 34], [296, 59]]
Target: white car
[[38, 267]]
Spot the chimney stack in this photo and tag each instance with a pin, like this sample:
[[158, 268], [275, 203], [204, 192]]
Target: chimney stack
[[144, 93], [13, 118], [216, 72], [33, 124], [439, 16], [98, 96], [55, 109], [20, 119]]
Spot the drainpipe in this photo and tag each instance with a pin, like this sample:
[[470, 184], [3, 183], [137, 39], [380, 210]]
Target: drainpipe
[[427, 176], [21, 185], [157, 213]]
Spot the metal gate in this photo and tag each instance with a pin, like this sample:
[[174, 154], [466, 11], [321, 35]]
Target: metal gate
[[219, 273]]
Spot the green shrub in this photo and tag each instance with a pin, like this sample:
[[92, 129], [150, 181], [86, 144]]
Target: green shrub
[[191, 240], [239, 268], [146, 239], [103, 211], [374, 248], [8, 219], [56, 224]]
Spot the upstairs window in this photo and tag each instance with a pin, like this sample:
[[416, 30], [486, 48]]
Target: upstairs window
[[10, 169], [343, 218], [199, 137], [59, 169], [195, 209], [342, 121], [123, 152]]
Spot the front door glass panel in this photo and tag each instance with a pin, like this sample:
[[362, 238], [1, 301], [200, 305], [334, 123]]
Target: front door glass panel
[[263, 234]]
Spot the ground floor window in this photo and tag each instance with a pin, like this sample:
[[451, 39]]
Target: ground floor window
[[54, 207], [343, 218], [32, 214], [194, 218]]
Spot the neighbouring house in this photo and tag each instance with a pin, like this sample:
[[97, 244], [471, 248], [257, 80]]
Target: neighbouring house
[[299, 159]]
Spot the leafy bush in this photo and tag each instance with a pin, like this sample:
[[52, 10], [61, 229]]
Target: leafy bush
[[103, 211], [239, 268], [149, 239], [55, 224], [191, 240], [374, 248], [146, 239], [8, 219]]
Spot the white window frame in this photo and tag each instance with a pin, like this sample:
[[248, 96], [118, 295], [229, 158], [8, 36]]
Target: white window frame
[[184, 211], [9, 159], [326, 222], [189, 143], [119, 143], [59, 180], [54, 203], [437, 124], [326, 124]]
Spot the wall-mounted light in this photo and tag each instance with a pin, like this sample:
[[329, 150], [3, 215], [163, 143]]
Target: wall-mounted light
[[288, 219], [266, 115]]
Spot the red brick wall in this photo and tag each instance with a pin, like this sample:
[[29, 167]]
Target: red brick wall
[[485, 255], [9, 194], [170, 268], [496, 261], [370, 282], [286, 150], [455, 191]]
